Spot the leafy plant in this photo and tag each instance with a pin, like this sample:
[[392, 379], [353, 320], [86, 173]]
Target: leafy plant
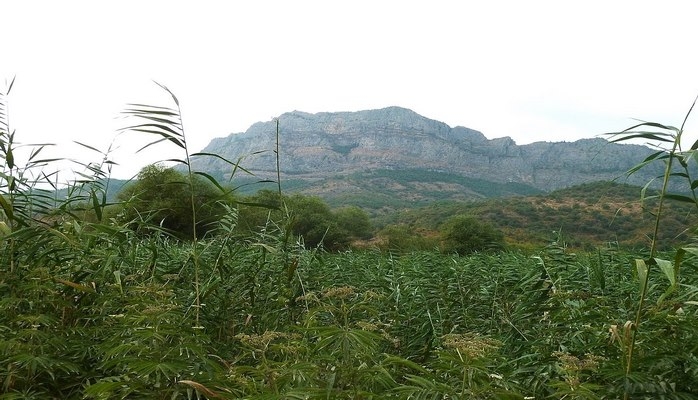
[[90, 308], [161, 198], [464, 234], [678, 165]]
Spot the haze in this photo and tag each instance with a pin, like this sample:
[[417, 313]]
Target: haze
[[536, 70]]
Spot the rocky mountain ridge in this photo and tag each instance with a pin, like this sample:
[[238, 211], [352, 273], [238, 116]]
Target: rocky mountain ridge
[[330, 146]]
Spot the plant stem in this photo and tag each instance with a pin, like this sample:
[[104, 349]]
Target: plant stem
[[278, 161], [195, 239], [653, 252], [195, 251]]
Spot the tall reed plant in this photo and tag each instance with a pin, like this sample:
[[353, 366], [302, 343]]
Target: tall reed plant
[[679, 169]]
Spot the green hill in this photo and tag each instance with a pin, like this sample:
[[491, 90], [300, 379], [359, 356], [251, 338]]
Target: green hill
[[585, 215]]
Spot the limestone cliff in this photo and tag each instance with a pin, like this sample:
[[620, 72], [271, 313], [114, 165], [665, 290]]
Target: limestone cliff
[[332, 146]]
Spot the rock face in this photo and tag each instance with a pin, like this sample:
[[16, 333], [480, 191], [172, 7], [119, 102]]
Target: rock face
[[326, 145]]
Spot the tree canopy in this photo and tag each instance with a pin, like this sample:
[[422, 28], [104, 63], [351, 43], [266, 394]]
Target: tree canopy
[[163, 196], [465, 234], [308, 217]]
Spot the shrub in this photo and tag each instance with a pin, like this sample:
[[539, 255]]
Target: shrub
[[465, 234], [404, 238], [162, 196]]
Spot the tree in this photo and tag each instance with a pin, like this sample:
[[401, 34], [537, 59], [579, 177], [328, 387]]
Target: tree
[[162, 196], [465, 234], [306, 216], [354, 221], [254, 211], [313, 220]]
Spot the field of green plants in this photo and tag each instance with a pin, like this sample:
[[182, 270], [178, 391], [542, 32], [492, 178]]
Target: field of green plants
[[96, 307]]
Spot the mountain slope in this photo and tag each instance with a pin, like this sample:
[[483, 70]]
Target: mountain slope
[[591, 214], [328, 153]]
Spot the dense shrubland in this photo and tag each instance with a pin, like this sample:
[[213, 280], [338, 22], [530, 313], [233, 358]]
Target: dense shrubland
[[241, 300], [587, 216], [160, 201]]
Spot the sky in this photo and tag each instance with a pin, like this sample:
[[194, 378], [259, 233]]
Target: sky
[[531, 70]]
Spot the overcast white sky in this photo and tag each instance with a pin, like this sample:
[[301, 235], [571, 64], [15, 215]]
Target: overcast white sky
[[532, 70]]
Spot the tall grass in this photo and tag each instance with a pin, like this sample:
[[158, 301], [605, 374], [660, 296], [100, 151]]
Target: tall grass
[[678, 165], [90, 309]]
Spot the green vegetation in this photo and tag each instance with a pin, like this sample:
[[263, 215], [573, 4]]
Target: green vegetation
[[587, 215], [465, 234], [482, 187], [306, 217], [161, 197], [375, 190], [249, 305]]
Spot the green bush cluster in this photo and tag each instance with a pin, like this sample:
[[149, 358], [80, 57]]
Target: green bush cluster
[[465, 234], [309, 218], [162, 197], [161, 200]]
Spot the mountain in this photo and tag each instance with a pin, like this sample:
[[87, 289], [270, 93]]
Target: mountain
[[396, 155]]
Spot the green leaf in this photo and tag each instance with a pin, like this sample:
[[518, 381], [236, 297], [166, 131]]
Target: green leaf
[[642, 271], [254, 183], [654, 157], [150, 144], [95, 205], [7, 208], [9, 88], [667, 268], [87, 146], [76, 286], [117, 278], [403, 362], [164, 129], [679, 174], [157, 118], [680, 198], [653, 125], [168, 91], [150, 109], [212, 180], [236, 164], [691, 249], [9, 157], [177, 160], [4, 229], [659, 137]]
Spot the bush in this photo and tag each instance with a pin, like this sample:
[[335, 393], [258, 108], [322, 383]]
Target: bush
[[354, 221], [309, 217], [465, 234], [162, 197], [404, 238]]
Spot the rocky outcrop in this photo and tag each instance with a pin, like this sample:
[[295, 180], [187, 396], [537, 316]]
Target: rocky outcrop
[[322, 145]]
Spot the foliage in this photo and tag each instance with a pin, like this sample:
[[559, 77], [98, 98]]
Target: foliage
[[310, 218], [677, 167], [89, 309], [162, 197], [403, 238], [354, 221], [590, 215], [465, 234]]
